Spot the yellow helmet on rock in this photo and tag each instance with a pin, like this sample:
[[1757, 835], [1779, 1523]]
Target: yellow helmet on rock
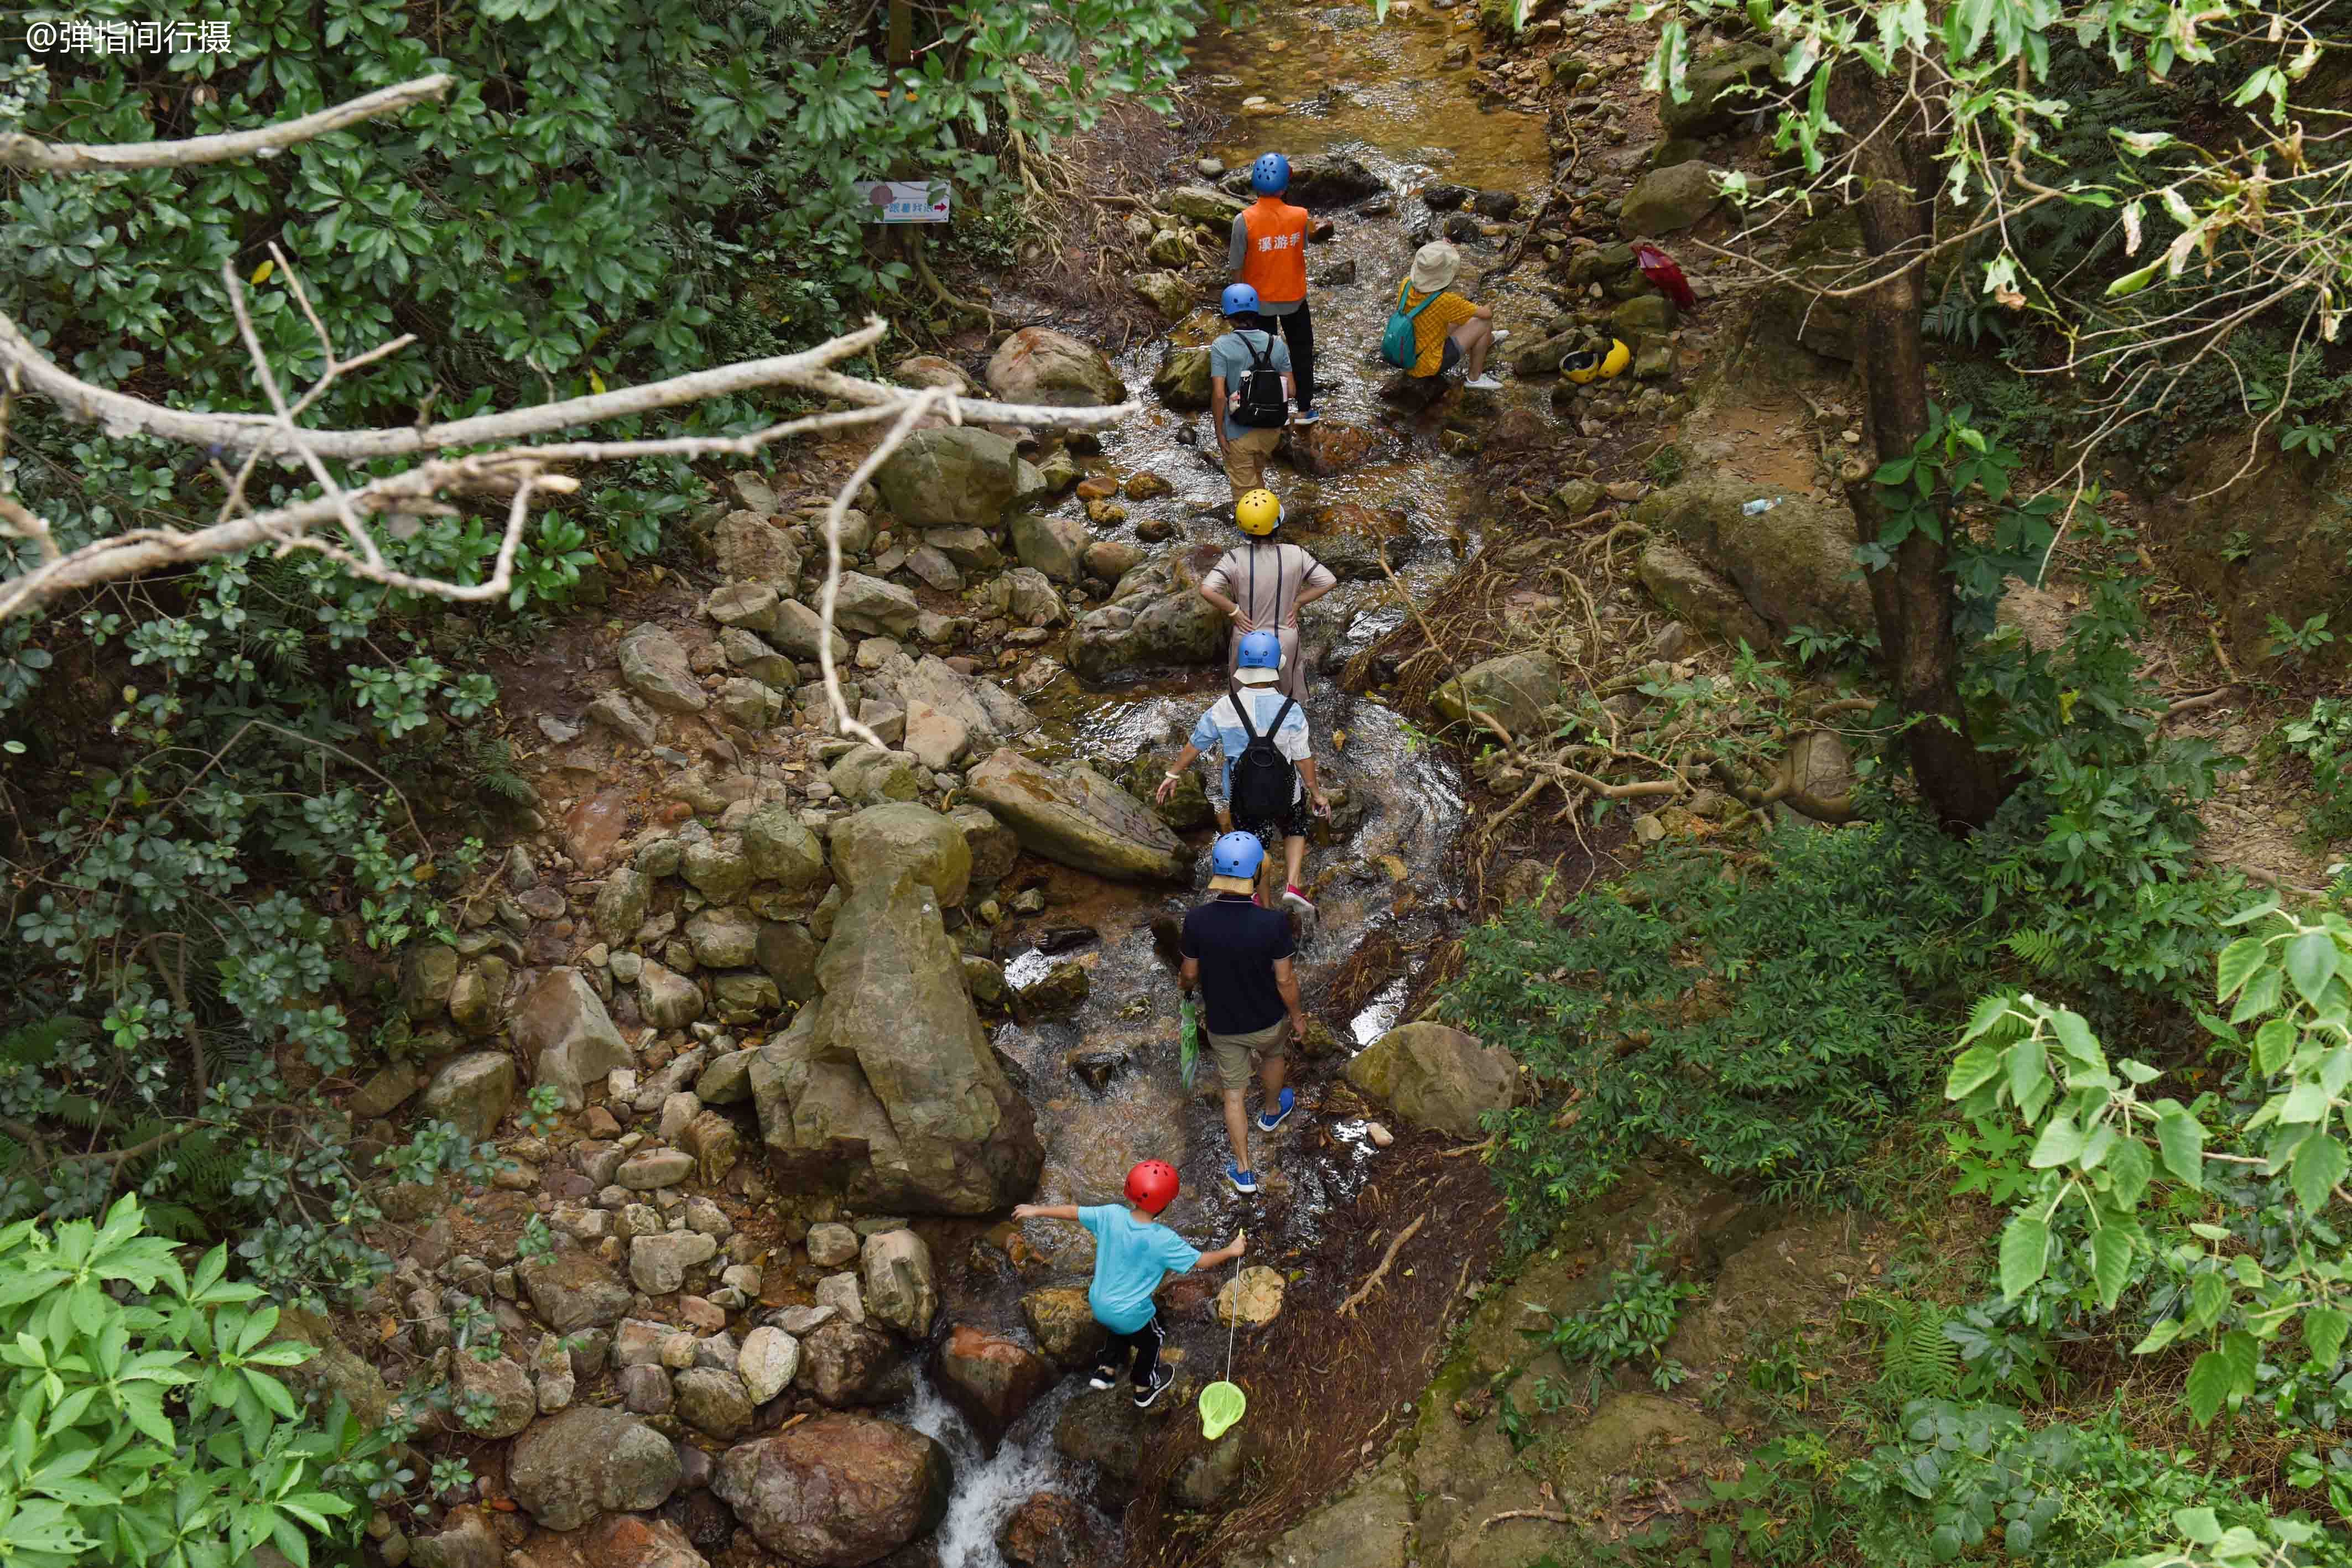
[[1593, 366], [1258, 513]]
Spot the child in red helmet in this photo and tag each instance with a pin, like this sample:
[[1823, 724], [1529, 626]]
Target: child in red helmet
[[1133, 1252]]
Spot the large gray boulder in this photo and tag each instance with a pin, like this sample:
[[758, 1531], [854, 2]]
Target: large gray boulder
[[1699, 596], [839, 1491], [798, 630], [1512, 689], [1049, 544], [654, 666], [750, 548], [1184, 378], [901, 1288], [1665, 200], [990, 714], [1154, 618], [473, 1092], [1436, 1077], [1792, 561], [563, 1032], [882, 843], [586, 1460], [957, 477], [1074, 815], [1039, 365], [886, 1089], [780, 847], [878, 609]]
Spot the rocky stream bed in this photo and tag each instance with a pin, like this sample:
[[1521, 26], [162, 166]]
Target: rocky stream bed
[[818, 1013]]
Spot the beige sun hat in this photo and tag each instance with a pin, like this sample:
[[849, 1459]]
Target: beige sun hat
[[1434, 265]]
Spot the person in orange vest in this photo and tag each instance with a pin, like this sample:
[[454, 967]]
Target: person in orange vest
[[1269, 253]]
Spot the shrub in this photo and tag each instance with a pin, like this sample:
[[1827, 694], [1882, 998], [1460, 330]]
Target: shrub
[[1770, 1023], [147, 1425]]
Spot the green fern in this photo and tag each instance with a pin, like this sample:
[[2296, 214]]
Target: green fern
[[1915, 1358], [35, 1045]]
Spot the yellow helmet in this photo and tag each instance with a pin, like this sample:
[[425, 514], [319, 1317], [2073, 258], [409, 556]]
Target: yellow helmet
[[1592, 365], [1258, 513]]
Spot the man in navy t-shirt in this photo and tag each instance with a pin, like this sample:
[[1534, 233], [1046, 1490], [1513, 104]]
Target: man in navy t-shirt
[[1238, 953]]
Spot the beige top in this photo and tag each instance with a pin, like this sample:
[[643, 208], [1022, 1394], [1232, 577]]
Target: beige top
[[1265, 580]]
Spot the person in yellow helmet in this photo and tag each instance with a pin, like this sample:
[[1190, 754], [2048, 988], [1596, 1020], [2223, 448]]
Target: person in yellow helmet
[[1262, 584]]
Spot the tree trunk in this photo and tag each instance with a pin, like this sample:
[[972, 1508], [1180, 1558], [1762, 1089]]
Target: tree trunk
[[902, 46], [1912, 597]]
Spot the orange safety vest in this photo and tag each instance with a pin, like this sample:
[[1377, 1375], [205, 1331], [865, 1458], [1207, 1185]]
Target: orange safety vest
[[1275, 262]]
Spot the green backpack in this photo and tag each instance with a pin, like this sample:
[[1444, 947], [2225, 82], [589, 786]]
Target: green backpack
[[1397, 346]]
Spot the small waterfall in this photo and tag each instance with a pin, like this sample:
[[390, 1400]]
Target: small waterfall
[[988, 1488]]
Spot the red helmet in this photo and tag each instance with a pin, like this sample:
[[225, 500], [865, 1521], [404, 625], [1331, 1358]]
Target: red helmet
[[1151, 1185]]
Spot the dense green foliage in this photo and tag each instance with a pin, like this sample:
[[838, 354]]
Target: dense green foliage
[[146, 1424], [1967, 1483], [212, 871], [2210, 1223], [1766, 1022], [2322, 740]]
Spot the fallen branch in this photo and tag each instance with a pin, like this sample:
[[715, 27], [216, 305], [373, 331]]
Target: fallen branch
[[2214, 698], [1493, 1520], [30, 155], [1348, 1307]]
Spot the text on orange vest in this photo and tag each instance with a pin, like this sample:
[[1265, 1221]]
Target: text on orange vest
[[1275, 262]]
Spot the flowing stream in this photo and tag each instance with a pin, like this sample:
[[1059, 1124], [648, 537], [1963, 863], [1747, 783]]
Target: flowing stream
[[1384, 95]]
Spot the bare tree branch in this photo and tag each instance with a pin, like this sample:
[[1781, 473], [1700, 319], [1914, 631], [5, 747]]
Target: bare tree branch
[[516, 473], [30, 155]]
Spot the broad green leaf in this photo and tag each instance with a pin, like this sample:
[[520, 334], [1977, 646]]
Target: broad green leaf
[[2318, 1166], [2209, 1382], [2274, 1045], [1974, 1066], [2128, 1169], [2060, 1143], [2304, 1103], [2111, 1257], [2254, 911], [2180, 1137], [2311, 964], [2161, 1335], [2323, 1334], [2074, 1035], [2237, 964], [2197, 1524], [2028, 1060], [2024, 1254], [1989, 1011]]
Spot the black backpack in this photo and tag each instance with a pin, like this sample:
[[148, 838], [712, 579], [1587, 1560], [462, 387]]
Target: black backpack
[[1262, 405], [1266, 783]]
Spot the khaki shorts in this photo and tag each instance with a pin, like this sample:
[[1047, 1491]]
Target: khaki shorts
[[1245, 456], [1236, 1053]]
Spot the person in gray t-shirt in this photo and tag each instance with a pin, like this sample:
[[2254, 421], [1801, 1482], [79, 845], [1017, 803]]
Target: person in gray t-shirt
[[1248, 346]]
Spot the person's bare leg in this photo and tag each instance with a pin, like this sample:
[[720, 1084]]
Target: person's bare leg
[[1237, 1126], [1477, 337], [1293, 850], [1270, 1074]]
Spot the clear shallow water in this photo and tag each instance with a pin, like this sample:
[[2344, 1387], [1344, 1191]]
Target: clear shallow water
[[988, 1486]]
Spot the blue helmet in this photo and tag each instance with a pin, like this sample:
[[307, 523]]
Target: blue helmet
[[1240, 299], [1270, 175], [1236, 854], [1259, 651]]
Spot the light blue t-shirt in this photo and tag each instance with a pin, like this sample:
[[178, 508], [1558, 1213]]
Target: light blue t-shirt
[[1131, 1258], [1220, 729], [1231, 356]]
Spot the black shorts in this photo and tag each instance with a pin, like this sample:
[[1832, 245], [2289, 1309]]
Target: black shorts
[[1451, 357], [1298, 824]]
